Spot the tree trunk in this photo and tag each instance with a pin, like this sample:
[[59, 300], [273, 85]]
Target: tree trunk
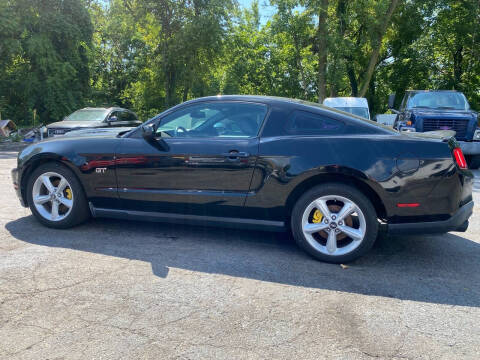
[[298, 60], [186, 89], [170, 85], [377, 45], [322, 50], [348, 58], [457, 67], [353, 79], [371, 98]]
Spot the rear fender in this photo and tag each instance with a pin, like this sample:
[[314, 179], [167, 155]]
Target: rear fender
[[339, 174]]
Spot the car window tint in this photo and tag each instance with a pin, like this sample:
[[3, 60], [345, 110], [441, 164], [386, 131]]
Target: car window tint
[[131, 116], [122, 116], [216, 119], [115, 114], [306, 123], [126, 116]]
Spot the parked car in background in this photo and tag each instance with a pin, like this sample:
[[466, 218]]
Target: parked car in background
[[93, 118], [385, 119], [353, 105], [99, 131], [255, 162], [429, 110]]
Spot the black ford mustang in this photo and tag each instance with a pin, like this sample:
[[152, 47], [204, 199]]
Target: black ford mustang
[[249, 161]]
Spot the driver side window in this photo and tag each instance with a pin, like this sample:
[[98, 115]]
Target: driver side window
[[216, 119]]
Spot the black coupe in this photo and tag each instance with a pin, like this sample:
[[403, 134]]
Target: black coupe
[[332, 179]]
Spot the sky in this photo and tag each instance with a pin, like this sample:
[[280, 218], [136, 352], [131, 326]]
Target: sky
[[266, 11]]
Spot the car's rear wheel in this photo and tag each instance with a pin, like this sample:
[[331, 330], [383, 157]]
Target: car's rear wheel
[[56, 197], [334, 223]]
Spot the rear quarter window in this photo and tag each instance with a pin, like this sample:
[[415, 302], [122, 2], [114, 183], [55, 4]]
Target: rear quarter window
[[131, 116], [306, 123]]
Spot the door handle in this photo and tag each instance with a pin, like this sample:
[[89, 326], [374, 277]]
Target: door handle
[[235, 155]]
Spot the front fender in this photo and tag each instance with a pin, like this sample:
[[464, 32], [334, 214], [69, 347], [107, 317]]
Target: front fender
[[81, 156]]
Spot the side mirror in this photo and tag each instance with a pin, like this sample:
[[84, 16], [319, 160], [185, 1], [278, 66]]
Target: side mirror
[[148, 132], [112, 119], [391, 101]]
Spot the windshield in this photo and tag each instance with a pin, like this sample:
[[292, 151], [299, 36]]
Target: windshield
[[87, 115], [438, 100], [359, 111]]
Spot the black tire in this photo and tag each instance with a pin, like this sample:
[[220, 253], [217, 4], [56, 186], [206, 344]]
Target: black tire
[[345, 191], [80, 211], [473, 161]]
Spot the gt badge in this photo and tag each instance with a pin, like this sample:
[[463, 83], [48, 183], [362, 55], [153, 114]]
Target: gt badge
[[100, 170]]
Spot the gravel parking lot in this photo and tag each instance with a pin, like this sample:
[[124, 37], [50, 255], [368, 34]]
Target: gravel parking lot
[[123, 290]]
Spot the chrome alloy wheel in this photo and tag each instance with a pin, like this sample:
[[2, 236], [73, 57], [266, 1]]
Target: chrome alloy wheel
[[333, 225], [52, 196]]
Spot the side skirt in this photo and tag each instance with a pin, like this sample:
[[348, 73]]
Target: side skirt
[[229, 222]]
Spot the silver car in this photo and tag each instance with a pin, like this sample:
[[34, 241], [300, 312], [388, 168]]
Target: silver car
[[88, 118]]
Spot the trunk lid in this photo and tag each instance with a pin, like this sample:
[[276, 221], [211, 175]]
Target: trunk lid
[[446, 136]]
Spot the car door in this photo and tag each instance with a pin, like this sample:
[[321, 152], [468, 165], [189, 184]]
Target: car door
[[201, 164]]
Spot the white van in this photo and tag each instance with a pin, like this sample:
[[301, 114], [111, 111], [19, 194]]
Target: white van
[[353, 105]]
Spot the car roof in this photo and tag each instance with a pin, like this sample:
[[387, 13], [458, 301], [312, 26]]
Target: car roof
[[258, 98], [346, 102], [424, 91], [272, 100], [287, 103], [105, 108]]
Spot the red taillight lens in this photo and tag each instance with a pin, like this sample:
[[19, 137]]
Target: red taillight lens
[[459, 158]]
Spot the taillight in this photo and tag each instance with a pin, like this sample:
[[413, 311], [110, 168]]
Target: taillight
[[459, 158]]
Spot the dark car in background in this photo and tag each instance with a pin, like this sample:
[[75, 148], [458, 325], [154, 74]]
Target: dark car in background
[[331, 178], [94, 118], [430, 110]]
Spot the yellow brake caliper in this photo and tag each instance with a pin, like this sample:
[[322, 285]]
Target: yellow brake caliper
[[69, 194], [317, 216]]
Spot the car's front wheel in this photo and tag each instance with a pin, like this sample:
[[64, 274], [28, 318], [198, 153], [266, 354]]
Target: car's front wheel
[[334, 222], [56, 197]]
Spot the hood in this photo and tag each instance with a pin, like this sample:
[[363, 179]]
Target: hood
[[75, 124], [105, 132]]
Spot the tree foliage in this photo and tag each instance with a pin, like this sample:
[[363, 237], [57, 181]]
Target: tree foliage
[[44, 57], [58, 55]]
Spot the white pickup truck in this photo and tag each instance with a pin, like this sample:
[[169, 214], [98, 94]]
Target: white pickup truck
[[353, 105]]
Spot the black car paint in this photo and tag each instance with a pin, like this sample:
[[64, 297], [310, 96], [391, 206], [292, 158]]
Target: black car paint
[[196, 177]]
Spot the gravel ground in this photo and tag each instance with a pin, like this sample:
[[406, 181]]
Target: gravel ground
[[126, 290]]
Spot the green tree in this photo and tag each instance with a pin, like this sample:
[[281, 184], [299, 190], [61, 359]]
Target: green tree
[[44, 66]]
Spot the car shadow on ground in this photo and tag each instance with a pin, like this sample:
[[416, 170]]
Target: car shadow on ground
[[436, 269]]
